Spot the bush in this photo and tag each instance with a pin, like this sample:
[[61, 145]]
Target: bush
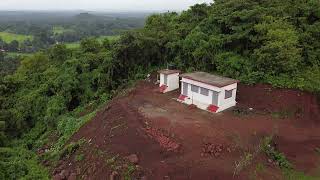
[[19, 163], [2, 125], [3, 139], [272, 153], [79, 157], [69, 149]]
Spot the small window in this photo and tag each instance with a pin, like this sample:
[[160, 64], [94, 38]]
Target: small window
[[194, 88], [228, 94], [204, 91]]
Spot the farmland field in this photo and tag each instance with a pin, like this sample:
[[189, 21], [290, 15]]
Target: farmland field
[[111, 38], [14, 54], [73, 45], [9, 37], [60, 30]]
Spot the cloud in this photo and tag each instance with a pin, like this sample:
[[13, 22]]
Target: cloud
[[98, 4]]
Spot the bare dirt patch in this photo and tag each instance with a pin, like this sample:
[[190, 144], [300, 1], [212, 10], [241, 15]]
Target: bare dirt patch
[[176, 142]]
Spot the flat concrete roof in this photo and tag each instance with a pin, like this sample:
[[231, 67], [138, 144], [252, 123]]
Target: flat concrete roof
[[168, 71], [211, 79]]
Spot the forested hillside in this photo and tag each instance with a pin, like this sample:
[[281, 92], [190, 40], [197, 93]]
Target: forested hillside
[[274, 41], [269, 41]]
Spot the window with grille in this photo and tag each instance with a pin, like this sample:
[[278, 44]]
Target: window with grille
[[204, 91], [194, 88], [228, 94]]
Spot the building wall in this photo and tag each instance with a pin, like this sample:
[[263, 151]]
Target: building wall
[[172, 83], [203, 101], [227, 103], [161, 80]]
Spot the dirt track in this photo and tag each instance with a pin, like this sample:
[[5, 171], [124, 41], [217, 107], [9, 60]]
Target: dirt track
[[174, 141]]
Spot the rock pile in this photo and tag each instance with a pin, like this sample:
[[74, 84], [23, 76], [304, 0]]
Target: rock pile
[[209, 149], [164, 141]]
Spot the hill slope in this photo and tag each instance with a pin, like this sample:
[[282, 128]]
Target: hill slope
[[168, 137]]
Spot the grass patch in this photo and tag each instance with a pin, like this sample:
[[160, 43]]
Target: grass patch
[[296, 175], [317, 151], [272, 153], [73, 45], [2, 125], [128, 173], [239, 111], [289, 173], [60, 30], [282, 114], [79, 157], [15, 54], [111, 38], [9, 37], [244, 161], [121, 166], [67, 126], [71, 148], [111, 162]]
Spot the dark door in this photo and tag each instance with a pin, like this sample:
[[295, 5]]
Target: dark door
[[185, 89], [215, 96]]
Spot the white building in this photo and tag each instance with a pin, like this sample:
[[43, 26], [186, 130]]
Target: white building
[[207, 91], [169, 80]]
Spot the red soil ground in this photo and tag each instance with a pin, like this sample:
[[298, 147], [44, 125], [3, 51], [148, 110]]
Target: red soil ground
[[173, 141]]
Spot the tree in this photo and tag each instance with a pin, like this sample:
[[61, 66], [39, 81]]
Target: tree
[[90, 45], [13, 46], [106, 43], [279, 52], [59, 53]]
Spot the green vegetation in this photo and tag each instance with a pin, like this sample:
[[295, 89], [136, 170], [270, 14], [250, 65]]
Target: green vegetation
[[274, 42], [76, 45], [272, 153], [15, 54], [130, 170], [58, 90], [287, 169], [79, 157], [55, 92], [29, 32], [19, 162], [111, 38], [60, 30], [317, 150], [9, 37]]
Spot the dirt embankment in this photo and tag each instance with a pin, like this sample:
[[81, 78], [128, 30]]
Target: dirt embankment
[[303, 106], [168, 140]]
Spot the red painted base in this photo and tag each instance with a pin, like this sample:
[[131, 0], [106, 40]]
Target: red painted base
[[213, 108], [182, 97], [163, 88]]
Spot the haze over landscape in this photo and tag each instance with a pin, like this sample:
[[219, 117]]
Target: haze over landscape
[[108, 5]]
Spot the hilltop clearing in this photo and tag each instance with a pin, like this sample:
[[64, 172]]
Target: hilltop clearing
[[174, 141]]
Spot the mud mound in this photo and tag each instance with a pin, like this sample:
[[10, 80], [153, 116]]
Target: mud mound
[[302, 105]]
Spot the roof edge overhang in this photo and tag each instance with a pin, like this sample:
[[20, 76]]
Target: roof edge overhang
[[168, 71], [211, 84]]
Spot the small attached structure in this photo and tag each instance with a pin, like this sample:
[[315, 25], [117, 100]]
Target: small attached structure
[[169, 80], [207, 91]]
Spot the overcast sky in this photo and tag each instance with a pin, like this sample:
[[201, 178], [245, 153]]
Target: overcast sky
[[115, 5]]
